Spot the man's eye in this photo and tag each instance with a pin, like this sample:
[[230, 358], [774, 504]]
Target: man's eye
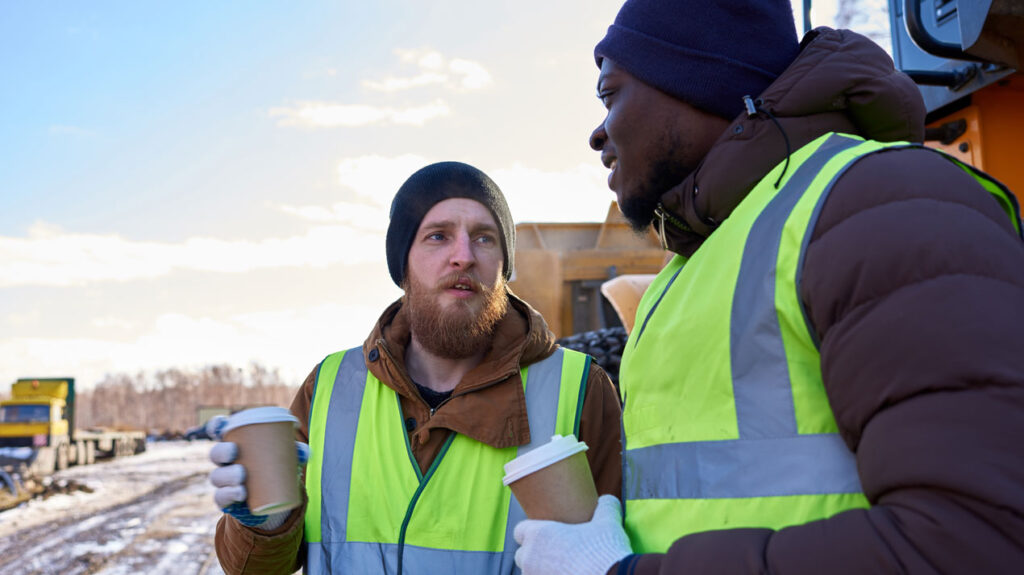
[[436, 236], [605, 97], [486, 239]]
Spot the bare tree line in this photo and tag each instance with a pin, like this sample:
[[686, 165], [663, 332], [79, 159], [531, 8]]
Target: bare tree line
[[170, 400]]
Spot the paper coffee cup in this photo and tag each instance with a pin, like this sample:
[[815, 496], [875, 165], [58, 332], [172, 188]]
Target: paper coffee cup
[[554, 481], [266, 448]]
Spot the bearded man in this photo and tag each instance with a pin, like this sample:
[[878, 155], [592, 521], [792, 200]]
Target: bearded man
[[409, 434]]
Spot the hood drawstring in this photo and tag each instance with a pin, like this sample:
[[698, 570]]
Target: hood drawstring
[[660, 214], [753, 108]]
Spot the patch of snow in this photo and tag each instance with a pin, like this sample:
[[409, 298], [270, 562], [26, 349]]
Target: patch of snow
[[22, 453], [150, 513], [108, 548], [114, 482]]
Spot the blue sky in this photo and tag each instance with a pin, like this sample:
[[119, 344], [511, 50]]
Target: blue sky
[[193, 182]]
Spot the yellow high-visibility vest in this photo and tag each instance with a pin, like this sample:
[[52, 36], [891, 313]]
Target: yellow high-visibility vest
[[372, 510], [726, 420]]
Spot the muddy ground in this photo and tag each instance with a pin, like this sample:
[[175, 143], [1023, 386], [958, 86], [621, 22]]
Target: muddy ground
[[151, 513]]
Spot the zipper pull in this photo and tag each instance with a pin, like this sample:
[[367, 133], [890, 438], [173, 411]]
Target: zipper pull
[[660, 214]]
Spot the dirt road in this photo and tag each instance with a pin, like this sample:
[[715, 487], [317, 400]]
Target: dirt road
[[152, 513]]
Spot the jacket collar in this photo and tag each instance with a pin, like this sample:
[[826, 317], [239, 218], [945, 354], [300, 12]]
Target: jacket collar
[[840, 82], [488, 404]]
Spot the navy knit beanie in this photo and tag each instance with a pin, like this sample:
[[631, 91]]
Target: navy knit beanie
[[707, 53], [431, 185]]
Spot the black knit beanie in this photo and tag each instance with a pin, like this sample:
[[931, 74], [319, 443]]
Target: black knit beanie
[[433, 184], [707, 53]]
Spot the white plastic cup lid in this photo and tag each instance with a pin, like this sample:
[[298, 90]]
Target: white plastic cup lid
[[259, 415], [559, 448]]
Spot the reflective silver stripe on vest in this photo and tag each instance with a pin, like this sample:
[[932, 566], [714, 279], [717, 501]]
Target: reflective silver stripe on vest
[[543, 381], [342, 421], [800, 465], [357, 557], [760, 375], [337, 554]]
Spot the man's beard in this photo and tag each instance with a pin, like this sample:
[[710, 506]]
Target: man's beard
[[665, 172], [456, 331]]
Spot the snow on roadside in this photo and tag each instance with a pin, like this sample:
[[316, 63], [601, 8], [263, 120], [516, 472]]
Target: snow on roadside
[[114, 482]]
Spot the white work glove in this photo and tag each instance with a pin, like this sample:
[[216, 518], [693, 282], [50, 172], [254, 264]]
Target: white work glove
[[550, 547], [229, 478]]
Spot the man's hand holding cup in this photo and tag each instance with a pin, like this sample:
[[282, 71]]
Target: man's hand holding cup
[[568, 530], [258, 460]]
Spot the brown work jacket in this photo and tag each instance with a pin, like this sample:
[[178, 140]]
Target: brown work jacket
[[488, 405]]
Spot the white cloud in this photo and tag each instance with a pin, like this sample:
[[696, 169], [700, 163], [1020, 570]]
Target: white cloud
[[426, 59], [457, 74], [418, 115], [55, 258], [113, 323], [350, 213], [336, 115], [578, 194], [375, 179], [292, 340], [393, 84], [473, 75]]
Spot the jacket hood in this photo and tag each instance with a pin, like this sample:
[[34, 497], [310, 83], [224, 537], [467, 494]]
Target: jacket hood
[[839, 82]]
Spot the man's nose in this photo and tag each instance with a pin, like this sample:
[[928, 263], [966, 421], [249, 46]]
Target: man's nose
[[598, 137], [462, 255]]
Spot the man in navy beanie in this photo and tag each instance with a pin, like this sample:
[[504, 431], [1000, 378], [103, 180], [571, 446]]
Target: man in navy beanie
[[455, 379], [431, 185], [825, 377]]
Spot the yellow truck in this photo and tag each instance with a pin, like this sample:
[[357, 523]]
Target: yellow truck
[[38, 434]]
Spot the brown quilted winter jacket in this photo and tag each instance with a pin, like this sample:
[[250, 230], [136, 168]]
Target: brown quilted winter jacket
[[487, 405], [914, 283]]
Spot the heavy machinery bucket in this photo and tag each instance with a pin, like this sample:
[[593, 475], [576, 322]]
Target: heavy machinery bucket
[[12, 492]]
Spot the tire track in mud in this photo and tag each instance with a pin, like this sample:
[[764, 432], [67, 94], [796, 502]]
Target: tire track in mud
[[166, 530]]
